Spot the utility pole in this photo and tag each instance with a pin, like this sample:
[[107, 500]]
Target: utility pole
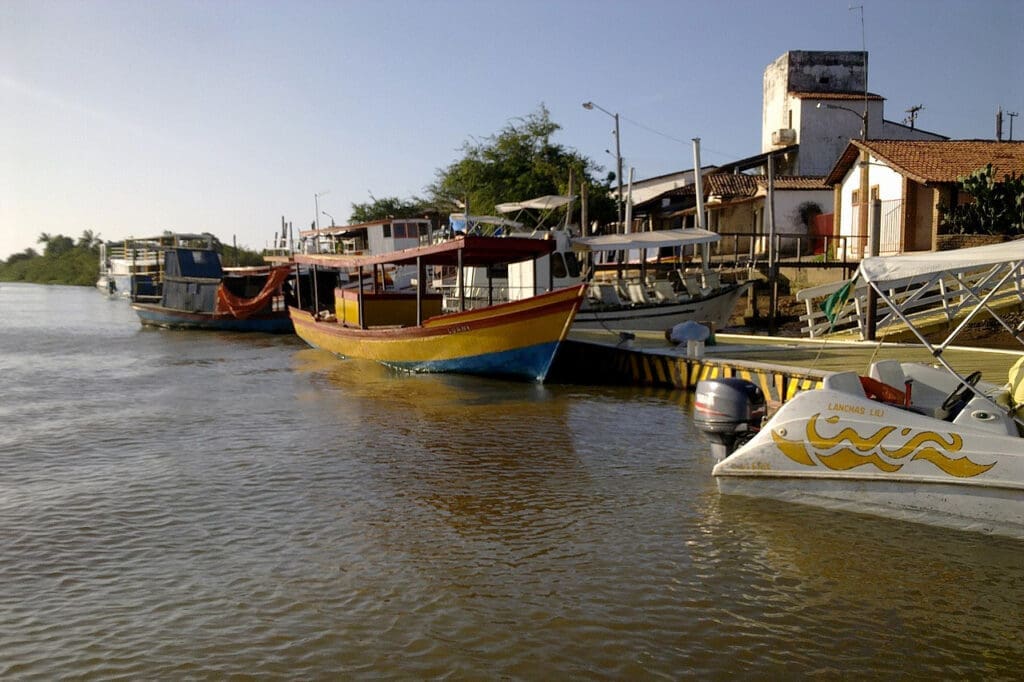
[[619, 228]]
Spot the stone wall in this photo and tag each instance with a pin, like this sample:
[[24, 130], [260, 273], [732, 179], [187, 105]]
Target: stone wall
[[949, 242]]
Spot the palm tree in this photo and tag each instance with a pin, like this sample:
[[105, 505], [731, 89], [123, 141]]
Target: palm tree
[[89, 240]]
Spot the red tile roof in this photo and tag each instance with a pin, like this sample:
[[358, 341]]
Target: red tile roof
[[934, 161], [739, 185], [796, 182], [730, 185]]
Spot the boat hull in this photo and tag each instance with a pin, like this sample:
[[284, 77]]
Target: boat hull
[[830, 449], [984, 510], [159, 316], [714, 310], [512, 340]]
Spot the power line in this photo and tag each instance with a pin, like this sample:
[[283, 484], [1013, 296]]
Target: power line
[[649, 129]]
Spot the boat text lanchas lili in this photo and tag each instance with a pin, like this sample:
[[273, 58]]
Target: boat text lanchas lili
[[194, 291], [912, 441], [408, 328]]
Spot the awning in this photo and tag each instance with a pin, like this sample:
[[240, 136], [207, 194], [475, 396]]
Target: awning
[[646, 240], [475, 251], [887, 269], [545, 203]]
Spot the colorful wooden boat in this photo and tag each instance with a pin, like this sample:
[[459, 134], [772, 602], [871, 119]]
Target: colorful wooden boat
[[196, 292], [408, 329]]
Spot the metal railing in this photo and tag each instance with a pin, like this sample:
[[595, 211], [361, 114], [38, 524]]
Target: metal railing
[[743, 249], [944, 299]]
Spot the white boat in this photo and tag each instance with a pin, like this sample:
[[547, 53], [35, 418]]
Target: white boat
[[638, 281], [924, 443], [134, 265], [646, 303]]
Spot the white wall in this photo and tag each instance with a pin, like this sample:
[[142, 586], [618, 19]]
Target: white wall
[[823, 133], [890, 186], [787, 213]]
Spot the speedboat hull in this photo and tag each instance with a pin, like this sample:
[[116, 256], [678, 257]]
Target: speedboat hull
[[831, 449]]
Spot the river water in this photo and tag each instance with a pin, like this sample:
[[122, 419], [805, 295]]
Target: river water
[[184, 505]]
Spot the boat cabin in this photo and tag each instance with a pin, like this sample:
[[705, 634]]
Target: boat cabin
[[382, 309], [191, 278], [378, 236]]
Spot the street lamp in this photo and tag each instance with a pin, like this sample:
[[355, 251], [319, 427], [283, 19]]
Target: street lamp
[[862, 217], [863, 116], [316, 204], [618, 157], [329, 216]]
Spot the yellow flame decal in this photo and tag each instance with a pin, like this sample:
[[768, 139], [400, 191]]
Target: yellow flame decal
[[845, 459], [927, 446], [856, 440], [795, 450], [960, 467], [954, 444]]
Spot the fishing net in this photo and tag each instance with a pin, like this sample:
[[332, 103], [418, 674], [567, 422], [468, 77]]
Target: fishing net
[[242, 308]]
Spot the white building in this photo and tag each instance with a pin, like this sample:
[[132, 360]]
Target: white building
[[820, 101]]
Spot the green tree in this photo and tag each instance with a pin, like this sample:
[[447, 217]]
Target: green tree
[[89, 240], [62, 262], [55, 244], [520, 162], [997, 206], [27, 254], [388, 207]]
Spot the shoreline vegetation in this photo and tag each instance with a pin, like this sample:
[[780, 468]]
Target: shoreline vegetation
[[76, 263]]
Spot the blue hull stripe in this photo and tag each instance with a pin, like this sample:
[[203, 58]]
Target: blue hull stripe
[[530, 363]]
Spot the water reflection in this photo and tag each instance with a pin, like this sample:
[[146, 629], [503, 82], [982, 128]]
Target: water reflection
[[956, 595]]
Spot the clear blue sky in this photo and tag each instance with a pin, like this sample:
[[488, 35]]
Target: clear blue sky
[[130, 118]]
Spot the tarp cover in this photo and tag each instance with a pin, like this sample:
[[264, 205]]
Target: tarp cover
[[646, 240], [880, 269], [185, 262]]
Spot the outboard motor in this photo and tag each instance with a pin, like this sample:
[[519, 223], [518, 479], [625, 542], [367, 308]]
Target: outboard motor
[[729, 412]]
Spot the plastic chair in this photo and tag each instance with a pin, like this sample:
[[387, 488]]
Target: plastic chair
[[664, 292]]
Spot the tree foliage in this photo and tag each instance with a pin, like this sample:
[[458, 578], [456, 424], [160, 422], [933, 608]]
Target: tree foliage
[[62, 262], [56, 245], [520, 162], [65, 261], [388, 207], [997, 208]]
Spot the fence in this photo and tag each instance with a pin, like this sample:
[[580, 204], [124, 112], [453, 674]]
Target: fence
[[922, 299]]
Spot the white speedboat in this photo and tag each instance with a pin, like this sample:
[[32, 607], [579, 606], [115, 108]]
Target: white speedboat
[[910, 441]]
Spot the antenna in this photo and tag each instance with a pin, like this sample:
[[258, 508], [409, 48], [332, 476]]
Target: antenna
[[912, 115], [864, 51], [1012, 115]]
